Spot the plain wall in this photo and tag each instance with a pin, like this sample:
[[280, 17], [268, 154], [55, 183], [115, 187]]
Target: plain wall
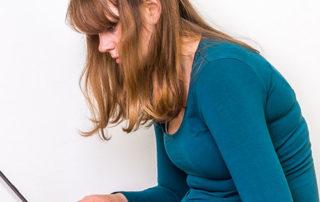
[[42, 107]]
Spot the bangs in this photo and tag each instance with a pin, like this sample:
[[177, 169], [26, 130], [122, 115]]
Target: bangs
[[91, 16]]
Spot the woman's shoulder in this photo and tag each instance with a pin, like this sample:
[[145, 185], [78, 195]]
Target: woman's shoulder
[[213, 49], [219, 58]]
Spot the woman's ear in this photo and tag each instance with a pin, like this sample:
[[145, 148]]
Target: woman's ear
[[151, 11]]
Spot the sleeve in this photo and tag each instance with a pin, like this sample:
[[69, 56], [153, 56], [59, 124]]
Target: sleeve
[[231, 98], [172, 184]]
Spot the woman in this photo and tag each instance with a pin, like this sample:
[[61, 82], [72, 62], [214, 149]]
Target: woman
[[228, 126]]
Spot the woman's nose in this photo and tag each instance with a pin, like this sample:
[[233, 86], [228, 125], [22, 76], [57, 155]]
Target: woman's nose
[[105, 43]]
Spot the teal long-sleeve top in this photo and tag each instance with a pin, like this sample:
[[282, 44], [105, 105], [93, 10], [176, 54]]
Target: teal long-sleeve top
[[242, 137]]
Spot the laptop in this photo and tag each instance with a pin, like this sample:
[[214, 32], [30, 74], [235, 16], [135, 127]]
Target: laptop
[[7, 182]]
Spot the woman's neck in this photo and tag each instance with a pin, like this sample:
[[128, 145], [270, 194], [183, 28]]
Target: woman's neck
[[188, 49]]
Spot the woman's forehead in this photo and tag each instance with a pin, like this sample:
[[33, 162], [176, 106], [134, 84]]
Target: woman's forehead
[[93, 16], [114, 10]]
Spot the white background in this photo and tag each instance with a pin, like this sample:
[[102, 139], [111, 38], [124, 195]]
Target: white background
[[42, 107]]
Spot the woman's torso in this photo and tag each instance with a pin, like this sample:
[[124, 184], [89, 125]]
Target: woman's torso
[[194, 150]]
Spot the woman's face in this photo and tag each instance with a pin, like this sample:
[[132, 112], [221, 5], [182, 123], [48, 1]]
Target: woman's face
[[109, 39]]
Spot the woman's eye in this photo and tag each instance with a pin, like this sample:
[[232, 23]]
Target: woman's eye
[[111, 27]]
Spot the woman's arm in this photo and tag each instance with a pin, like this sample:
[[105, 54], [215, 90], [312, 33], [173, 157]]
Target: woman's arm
[[171, 180], [231, 100]]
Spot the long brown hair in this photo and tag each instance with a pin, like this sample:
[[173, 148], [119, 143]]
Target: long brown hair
[[136, 90]]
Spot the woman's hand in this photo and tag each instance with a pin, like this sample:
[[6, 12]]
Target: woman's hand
[[118, 197]]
